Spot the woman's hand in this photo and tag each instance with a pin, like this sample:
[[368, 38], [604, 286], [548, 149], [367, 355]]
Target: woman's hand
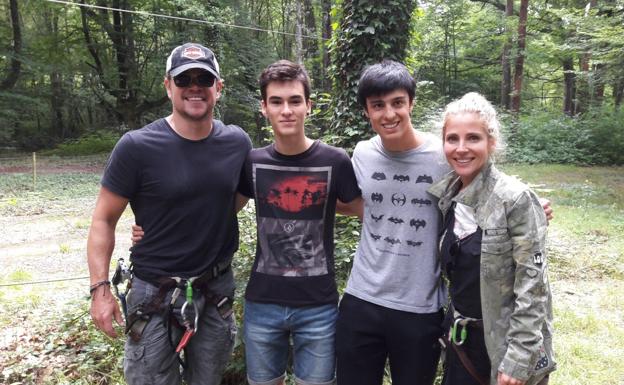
[[504, 379]]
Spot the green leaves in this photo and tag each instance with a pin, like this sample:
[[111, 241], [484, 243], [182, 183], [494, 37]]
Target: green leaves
[[369, 32]]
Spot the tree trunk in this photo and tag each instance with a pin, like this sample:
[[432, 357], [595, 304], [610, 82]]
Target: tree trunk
[[599, 83], [618, 93], [366, 35], [310, 45], [327, 34], [569, 80], [519, 67], [505, 59], [298, 32], [583, 92], [56, 104], [14, 69], [129, 105]]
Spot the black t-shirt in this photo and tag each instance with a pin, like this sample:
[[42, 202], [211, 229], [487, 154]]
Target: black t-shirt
[[182, 193], [295, 209], [461, 261]]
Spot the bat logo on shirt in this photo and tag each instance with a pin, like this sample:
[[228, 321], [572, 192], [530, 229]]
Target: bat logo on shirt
[[392, 241], [396, 221], [377, 218], [379, 176], [413, 243], [417, 223], [401, 178], [424, 179], [375, 236], [421, 202], [377, 197], [398, 199]]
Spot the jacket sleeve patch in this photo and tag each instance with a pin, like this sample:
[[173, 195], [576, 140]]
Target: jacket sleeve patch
[[538, 258]]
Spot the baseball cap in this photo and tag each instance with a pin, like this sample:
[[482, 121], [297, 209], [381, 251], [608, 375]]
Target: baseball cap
[[191, 55]]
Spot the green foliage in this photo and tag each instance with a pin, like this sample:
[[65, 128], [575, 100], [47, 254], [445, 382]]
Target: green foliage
[[593, 138], [319, 121], [97, 142], [369, 32], [456, 48], [347, 236]]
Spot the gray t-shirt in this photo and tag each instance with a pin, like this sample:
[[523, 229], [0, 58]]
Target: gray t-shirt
[[396, 264]]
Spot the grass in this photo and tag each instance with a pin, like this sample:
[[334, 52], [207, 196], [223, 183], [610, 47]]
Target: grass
[[586, 234], [586, 249], [60, 346]]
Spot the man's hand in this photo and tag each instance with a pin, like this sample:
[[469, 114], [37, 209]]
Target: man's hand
[[504, 379], [103, 309], [547, 209], [100, 245], [137, 234]]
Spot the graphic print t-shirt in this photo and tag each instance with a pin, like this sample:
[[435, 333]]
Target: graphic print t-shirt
[[295, 208], [396, 264]]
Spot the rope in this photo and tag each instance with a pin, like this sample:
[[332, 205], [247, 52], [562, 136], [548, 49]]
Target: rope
[[44, 281], [145, 13]]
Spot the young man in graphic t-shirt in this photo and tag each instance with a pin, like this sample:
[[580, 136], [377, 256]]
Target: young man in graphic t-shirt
[[392, 307], [295, 182]]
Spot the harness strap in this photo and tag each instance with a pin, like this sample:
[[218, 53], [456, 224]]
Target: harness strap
[[136, 322], [463, 358], [459, 319], [165, 284]]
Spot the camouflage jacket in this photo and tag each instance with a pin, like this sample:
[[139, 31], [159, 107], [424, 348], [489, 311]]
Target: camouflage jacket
[[515, 294]]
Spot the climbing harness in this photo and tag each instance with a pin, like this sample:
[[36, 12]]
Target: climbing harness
[[183, 309]]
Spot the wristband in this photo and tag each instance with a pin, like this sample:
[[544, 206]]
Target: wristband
[[94, 287]]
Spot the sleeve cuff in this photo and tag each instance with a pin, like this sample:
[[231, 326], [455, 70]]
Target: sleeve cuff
[[514, 369]]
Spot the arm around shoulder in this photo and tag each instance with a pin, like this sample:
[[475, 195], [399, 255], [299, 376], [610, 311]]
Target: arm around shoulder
[[353, 208]]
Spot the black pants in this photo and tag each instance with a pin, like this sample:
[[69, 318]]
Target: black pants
[[367, 334]]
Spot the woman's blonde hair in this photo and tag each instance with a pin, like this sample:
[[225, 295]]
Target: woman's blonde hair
[[476, 103]]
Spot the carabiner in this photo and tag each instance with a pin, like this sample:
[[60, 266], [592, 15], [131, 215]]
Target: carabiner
[[185, 320], [462, 335]]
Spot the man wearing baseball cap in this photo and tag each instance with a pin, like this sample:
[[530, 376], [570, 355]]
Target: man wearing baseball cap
[[180, 175]]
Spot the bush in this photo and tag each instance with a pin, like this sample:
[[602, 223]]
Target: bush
[[93, 143], [595, 138]]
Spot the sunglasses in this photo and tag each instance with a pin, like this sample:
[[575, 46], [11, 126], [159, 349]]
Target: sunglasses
[[202, 80]]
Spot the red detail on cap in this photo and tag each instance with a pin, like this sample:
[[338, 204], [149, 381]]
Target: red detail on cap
[[193, 53]]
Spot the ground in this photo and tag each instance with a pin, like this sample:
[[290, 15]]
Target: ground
[[44, 232]]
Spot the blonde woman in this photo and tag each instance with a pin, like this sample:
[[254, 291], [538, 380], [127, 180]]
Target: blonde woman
[[492, 251]]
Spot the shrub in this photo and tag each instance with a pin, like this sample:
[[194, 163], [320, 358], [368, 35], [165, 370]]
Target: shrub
[[550, 137], [93, 143]]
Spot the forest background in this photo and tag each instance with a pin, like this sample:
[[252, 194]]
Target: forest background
[[555, 68], [74, 76]]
